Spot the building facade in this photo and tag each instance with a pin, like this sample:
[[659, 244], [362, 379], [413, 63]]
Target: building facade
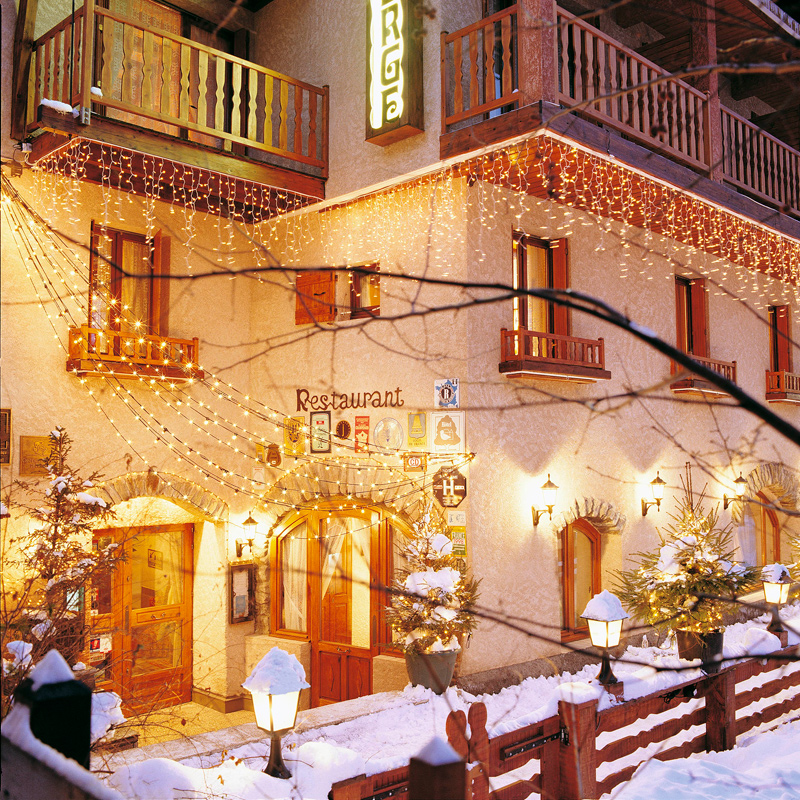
[[444, 263]]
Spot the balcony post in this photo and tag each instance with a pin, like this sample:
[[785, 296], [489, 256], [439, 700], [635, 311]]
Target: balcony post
[[87, 66], [704, 53], [537, 55]]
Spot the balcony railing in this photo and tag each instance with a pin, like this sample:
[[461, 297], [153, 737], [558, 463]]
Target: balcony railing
[[599, 78], [783, 386], [167, 83], [759, 163], [616, 86], [94, 351], [479, 74], [552, 355], [693, 383]]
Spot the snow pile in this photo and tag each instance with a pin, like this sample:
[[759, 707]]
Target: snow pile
[[315, 767], [759, 766], [20, 655], [605, 607], [90, 499], [445, 580], [438, 752], [106, 712], [61, 108], [278, 672]]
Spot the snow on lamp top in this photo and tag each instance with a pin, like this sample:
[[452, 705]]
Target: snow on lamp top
[[278, 672], [775, 573], [51, 669], [605, 607]]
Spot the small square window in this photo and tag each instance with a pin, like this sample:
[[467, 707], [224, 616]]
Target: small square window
[[365, 292]]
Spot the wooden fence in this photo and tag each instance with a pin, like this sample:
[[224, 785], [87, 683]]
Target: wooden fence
[[579, 742]]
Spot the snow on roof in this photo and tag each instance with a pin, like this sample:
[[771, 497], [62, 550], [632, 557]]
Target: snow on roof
[[775, 573], [278, 672], [438, 752], [51, 669], [605, 607]]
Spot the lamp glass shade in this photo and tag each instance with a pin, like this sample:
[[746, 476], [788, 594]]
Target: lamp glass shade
[[776, 593], [739, 485], [549, 493], [657, 487], [275, 712], [605, 633], [249, 526]]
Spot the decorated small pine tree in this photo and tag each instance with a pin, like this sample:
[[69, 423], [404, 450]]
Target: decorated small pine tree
[[689, 580], [49, 569], [432, 597]]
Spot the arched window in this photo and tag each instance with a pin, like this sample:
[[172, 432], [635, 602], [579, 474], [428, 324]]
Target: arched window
[[580, 575]]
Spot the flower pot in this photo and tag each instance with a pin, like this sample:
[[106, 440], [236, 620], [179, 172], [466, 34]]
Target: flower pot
[[705, 646], [431, 670]]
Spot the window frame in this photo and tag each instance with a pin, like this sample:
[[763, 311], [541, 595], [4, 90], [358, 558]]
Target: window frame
[[566, 543], [559, 317], [691, 316], [780, 338], [357, 310], [157, 283]]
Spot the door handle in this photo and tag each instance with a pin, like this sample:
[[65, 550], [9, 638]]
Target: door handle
[[158, 616], [342, 650]]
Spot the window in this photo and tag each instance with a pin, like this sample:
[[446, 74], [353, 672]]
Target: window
[[365, 292], [326, 296], [780, 349], [692, 315], [540, 264], [761, 540], [127, 293], [580, 569]]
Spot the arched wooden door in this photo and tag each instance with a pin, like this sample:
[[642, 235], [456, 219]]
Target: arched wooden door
[[329, 567]]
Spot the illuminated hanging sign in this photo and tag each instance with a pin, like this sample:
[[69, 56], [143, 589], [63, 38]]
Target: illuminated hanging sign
[[394, 71]]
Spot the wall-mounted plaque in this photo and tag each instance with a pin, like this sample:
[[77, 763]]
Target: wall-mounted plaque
[[32, 452], [5, 436], [320, 431], [294, 437], [242, 579]]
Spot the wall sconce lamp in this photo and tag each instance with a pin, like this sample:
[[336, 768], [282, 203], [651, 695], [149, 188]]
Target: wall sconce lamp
[[739, 485], [549, 495], [657, 490], [249, 526]]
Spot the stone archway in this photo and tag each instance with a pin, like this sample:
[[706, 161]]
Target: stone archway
[[187, 495], [603, 516], [776, 478]]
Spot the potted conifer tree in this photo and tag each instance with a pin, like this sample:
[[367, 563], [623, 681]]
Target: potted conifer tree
[[432, 601], [687, 582]]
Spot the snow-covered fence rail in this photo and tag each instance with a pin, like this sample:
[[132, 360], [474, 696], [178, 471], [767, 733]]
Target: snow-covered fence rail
[[584, 752]]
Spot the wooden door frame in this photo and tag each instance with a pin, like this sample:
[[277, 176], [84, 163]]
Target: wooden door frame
[[124, 617], [567, 546]]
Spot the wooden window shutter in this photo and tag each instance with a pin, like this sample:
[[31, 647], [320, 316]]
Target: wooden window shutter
[[315, 297], [560, 280], [160, 290], [780, 339], [681, 314], [699, 303]]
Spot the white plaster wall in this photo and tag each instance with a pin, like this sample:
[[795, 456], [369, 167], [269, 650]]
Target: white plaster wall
[[324, 42]]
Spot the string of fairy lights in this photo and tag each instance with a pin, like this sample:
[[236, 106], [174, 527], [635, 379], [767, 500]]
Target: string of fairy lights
[[428, 214]]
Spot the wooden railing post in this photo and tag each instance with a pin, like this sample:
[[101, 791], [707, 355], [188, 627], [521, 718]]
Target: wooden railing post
[[703, 38], [578, 757], [87, 54], [438, 773], [721, 711], [537, 56]]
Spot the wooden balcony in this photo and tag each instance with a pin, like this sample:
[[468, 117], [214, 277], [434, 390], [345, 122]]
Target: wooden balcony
[[694, 384], [173, 98], [93, 351], [783, 387], [532, 354], [601, 80]]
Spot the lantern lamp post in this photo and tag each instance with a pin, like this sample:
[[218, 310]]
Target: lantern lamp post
[[275, 684], [777, 582], [604, 614]]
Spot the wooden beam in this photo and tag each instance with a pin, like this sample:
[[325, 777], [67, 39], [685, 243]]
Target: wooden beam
[[23, 47], [119, 134]]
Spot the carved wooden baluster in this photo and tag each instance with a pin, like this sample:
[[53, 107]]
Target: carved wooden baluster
[[313, 99], [202, 88], [488, 63], [473, 69], [282, 131], [267, 138], [507, 73], [298, 120], [236, 106], [458, 71], [252, 93]]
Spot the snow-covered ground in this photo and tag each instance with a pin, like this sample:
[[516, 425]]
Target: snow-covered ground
[[396, 727]]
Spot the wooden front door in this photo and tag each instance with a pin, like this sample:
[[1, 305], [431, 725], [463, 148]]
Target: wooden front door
[[144, 613]]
